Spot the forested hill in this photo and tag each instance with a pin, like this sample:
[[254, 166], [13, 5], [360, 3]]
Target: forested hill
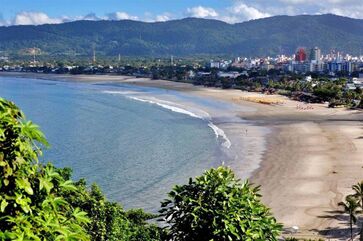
[[190, 36]]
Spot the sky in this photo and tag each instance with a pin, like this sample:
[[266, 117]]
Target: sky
[[35, 12]]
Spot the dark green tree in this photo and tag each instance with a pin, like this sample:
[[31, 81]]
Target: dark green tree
[[31, 204], [351, 207], [40, 202], [109, 221], [217, 206], [358, 189]]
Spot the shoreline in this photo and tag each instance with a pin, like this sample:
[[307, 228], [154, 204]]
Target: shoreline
[[312, 157], [218, 115], [225, 122]]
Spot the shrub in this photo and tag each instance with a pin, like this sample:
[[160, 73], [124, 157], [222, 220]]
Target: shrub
[[31, 206], [216, 206]]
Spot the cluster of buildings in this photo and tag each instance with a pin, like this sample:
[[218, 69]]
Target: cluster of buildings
[[303, 61], [332, 63], [355, 83], [4, 58]]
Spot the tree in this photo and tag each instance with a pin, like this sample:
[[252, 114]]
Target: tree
[[109, 221], [40, 202], [351, 206], [217, 206], [358, 188], [31, 204]]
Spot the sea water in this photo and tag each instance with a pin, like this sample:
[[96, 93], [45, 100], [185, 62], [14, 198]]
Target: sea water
[[135, 150]]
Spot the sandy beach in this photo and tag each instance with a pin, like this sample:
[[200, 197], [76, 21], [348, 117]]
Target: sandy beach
[[313, 154]]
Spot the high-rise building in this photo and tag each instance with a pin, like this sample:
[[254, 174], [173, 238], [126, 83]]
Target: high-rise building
[[315, 54], [300, 55]]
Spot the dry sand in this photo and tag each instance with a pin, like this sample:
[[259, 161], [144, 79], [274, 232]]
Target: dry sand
[[313, 156]]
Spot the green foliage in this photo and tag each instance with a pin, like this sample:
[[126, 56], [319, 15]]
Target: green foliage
[[358, 189], [217, 206], [328, 90], [351, 207], [109, 221], [189, 36], [31, 206], [40, 202]]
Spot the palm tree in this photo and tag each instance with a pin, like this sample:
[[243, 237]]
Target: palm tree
[[351, 206], [358, 188]]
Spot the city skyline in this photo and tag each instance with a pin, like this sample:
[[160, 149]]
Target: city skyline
[[232, 11]]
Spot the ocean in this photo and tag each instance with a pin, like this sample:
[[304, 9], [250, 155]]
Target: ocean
[[136, 149]]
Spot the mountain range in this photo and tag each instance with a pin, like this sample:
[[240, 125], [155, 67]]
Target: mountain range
[[188, 37]]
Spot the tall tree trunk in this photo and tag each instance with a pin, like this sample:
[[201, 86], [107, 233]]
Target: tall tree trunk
[[351, 229]]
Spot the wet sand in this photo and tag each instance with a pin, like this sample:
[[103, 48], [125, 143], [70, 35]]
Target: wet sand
[[312, 159]]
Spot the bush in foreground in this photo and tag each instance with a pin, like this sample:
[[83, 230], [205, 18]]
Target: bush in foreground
[[216, 206], [30, 205], [40, 202]]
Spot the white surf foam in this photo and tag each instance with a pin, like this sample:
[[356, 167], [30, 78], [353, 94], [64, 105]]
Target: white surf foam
[[220, 133], [217, 131], [123, 92], [169, 107]]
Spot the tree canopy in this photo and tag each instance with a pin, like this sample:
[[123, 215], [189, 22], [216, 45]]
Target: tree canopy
[[40, 202], [217, 206], [31, 205]]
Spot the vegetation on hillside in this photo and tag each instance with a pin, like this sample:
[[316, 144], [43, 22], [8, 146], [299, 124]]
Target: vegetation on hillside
[[191, 36]]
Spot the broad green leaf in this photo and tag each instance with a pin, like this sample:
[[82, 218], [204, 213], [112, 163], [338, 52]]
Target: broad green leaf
[[3, 205], [25, 185], [46, 184], [68, 185], [80, 216]]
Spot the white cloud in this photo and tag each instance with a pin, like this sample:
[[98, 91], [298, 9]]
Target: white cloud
[[120, 16], [162, 18], [348, 8], [34, 18], [37, 18], [240, 12], [202, 12], [90, 17], [354, 12]]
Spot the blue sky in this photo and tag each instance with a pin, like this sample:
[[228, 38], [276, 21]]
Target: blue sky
[[16, 12]]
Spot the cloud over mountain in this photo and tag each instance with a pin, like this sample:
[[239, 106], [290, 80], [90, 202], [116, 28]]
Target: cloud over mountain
[[234, 12], [34, 18], [202, 12], [120, 16]]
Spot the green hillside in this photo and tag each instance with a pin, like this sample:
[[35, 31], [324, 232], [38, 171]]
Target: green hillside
[[190, 36]]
